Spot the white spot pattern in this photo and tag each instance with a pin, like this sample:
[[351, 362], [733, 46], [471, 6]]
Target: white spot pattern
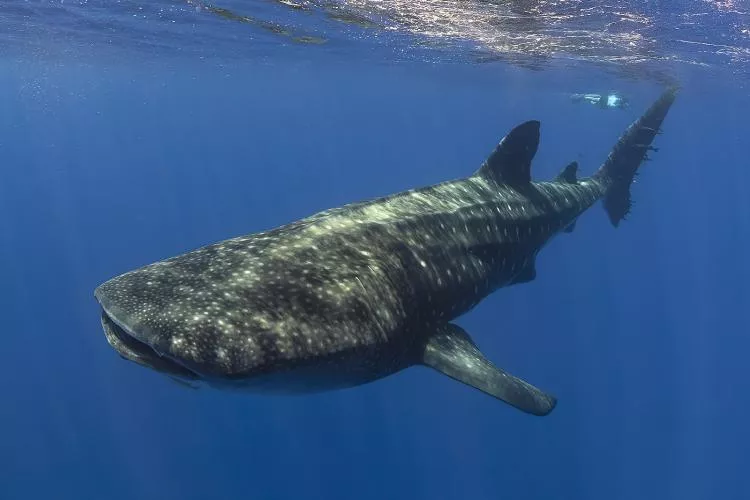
[[348, 278]]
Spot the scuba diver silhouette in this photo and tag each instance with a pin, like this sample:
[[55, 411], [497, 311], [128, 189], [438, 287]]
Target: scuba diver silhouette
[[604, 101]]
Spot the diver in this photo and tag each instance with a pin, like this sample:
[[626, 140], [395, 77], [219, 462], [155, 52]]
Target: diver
[[604, 101]]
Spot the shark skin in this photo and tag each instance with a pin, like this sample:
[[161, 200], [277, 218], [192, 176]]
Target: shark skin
[[354, 294]]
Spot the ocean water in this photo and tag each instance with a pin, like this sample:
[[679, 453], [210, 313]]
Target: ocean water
[[134, 131]]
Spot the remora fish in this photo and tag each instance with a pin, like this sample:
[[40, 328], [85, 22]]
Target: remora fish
[[353, 294]]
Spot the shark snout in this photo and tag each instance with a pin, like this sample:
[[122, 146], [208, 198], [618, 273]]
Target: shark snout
[[125, 336]]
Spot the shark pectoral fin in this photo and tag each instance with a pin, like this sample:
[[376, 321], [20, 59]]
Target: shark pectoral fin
[[451, 351], [570, 227], [525, 275], [183, 383]]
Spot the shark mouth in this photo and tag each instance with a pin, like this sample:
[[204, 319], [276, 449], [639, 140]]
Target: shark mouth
[[141, 353]]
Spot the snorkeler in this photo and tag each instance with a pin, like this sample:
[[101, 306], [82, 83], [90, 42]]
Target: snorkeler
[[611, 100]]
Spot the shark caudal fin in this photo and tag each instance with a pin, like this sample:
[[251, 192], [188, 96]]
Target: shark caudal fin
[[626, 157]]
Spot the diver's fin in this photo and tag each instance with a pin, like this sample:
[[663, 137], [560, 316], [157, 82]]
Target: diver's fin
[[525, 275], [510, 162], [569, 174], [450, 350], [630, 151]]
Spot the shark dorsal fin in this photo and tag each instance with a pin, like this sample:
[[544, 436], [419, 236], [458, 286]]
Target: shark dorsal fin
[[569, 174], [510, 162]]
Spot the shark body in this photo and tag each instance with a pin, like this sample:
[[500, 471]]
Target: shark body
[[356, 293]]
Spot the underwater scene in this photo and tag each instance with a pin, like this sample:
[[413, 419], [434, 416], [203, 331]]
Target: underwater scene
[[374, 249]]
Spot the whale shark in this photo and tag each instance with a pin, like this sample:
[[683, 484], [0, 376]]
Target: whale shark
[[356, 293]]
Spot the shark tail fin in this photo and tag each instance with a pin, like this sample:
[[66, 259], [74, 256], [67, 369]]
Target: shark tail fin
[[621, 167]]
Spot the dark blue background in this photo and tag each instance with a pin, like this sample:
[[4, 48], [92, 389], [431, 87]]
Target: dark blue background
[[641, 331]]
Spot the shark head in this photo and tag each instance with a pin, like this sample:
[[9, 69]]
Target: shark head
[[126, 343], [130, 337], [175, 320], [213, 315]]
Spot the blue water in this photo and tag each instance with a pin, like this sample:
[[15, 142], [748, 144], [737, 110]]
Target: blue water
[[125, 140]]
